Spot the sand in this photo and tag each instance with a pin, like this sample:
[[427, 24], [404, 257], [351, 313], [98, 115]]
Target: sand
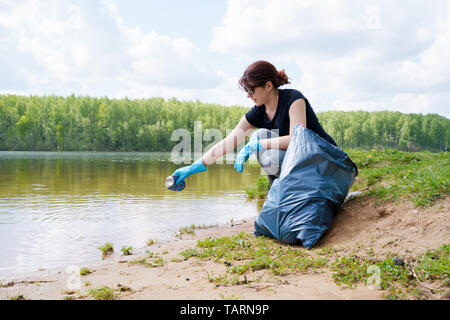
[[402, 229]]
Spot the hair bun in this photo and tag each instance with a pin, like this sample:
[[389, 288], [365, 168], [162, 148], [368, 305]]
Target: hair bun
[[282, 77]]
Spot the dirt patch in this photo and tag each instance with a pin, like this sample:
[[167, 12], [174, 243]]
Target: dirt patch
[[402, 228]]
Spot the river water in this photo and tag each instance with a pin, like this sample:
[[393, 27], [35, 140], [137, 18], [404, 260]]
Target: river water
[[56, 208]]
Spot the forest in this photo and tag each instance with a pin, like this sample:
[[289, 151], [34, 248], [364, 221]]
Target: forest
[[83, 123]]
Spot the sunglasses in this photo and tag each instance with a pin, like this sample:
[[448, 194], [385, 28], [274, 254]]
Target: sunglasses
[[250, 90]]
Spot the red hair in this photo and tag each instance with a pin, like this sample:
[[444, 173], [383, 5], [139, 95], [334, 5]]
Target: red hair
[[259, 72]]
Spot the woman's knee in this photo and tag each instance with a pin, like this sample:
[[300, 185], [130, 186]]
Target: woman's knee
[[271, 160], [263, 133]]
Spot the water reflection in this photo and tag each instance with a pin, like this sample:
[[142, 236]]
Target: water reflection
[[57, 208]]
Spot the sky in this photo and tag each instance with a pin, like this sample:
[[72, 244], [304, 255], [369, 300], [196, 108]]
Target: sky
[[342, 55]]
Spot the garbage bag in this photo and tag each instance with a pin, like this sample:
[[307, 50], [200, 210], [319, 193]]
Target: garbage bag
[[313, 183]]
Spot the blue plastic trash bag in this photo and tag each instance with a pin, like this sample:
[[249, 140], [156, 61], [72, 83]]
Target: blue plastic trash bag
[[313, 183]]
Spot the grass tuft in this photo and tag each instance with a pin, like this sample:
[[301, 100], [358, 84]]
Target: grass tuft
[[106, 249], [85, 271], [191, 229], [260, 190], [103, 293], [126, 251], [244, 254], [392, 175]]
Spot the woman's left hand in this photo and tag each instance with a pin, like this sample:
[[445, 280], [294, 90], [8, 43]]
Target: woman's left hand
[[243, 155]]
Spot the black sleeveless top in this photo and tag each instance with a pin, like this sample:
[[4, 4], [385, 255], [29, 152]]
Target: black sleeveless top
[[258, 118]]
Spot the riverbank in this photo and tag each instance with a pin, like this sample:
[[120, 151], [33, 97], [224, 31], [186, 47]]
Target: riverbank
[[176, 269], [178, 278]]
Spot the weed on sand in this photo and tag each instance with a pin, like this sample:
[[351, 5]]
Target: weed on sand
[[392, 175], [244, 254]]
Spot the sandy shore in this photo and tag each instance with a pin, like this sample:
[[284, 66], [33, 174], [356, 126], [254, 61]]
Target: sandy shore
[[396, 228], [179, 279]]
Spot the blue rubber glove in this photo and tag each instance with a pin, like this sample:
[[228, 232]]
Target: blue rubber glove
[[243, 155], [184, 172]]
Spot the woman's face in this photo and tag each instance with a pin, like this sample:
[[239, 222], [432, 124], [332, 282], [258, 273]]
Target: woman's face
[[259, 95]]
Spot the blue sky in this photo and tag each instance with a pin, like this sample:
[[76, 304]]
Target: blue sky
[[343, 55]]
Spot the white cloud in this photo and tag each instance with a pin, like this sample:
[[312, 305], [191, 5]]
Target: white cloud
[[432, 67], [345, 54], [84, 47], [227, 93], [351, 53], [254, 25]]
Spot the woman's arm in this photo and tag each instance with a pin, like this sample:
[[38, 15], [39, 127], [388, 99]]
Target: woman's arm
[[297, 114], [242, 130]]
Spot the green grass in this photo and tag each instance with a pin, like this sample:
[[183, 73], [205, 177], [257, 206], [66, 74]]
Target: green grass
[[185, 230], [261, 189], [150, 242], [106, 249], [126, 251], [392, 175], [244, 254], [400, 280], [85, 271], [434, 264], [230, 297], [388, 176], [152, 260], [191, 229], [103, 293], [107, 293]]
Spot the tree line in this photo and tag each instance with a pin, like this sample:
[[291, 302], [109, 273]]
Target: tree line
[[50, 123], [387, 129]]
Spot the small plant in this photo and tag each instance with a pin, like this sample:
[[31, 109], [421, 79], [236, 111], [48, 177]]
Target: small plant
[[85, 271], [402, 280], [435, 264], [18, 297], [261, 189], [175, 260], [103, 293], [152, 260], [191, 229], [150, 254], [106, 249], [126, 251], [327, 251], [150, 242], [185, 230], [230, 297]]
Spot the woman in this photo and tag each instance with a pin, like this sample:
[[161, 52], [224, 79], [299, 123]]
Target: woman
[[276, 113]]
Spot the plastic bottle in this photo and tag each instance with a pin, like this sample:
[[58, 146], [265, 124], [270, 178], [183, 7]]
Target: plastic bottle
[[170, 184]]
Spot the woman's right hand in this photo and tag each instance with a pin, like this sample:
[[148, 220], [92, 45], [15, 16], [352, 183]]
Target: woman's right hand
[[184, 172]]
